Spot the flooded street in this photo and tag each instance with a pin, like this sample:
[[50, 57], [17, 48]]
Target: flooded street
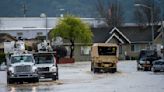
[[78, 78]]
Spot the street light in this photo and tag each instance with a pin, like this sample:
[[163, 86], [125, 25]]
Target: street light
[[62, 12], [162, 23], [152, 25], [43, 15]]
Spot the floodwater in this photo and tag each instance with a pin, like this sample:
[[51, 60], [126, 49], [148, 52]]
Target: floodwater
[[78, 78]]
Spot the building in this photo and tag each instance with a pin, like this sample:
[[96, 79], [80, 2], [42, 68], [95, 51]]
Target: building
[[4, 37], [130, 37], [31, 27]]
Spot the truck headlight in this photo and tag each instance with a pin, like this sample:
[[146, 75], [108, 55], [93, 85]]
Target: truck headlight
[[34, 69], [147, 62], [11, 69], [142, 62], [53, 69]]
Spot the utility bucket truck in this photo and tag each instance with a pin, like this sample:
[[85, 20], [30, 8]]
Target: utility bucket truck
[[20, 65], [46, 61]]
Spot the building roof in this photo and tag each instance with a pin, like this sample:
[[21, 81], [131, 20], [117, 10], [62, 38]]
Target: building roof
[[139, 35], [100, 35], [6, 37], [126, 34]]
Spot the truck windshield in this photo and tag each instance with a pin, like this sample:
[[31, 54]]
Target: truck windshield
[[107, 50], [17, 59], [44, 59], [147, 53]]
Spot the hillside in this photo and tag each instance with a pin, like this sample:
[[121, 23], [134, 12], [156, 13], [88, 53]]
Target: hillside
[[82, 8]]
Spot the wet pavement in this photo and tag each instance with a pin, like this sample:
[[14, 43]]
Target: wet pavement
[[78, 78]]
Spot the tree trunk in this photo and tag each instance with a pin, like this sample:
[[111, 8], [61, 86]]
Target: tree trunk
[[72, 48]]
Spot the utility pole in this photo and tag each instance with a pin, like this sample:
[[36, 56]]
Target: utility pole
[[162, 37], [117, 13], [152, 20], [44, 16], [24, 9], [162, 32]]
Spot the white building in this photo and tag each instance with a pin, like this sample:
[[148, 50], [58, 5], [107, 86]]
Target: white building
[[31, 27]]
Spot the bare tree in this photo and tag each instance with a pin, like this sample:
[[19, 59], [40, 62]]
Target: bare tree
[[111, 11], [143, 12]]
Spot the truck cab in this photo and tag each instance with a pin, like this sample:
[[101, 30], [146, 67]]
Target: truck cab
[[20, 64], [22, 68], [46, 65]]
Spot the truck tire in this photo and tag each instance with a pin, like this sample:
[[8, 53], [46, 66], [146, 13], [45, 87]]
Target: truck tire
[[10, 81], [146, 69], [57, 76], [138, 69], [155, 70], [150, 68], [54, 77], [91, 67], [96, 70], [35, 80], [113, 70]]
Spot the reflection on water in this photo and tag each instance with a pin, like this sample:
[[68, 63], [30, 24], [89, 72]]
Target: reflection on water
[[31, 89], [3, 88], [22, 89], [42, 86], [12, 89]]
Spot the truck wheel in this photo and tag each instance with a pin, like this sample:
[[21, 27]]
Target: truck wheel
[[149, 68], [96, 70], [57, 76], [10, 81], [113, 70], [138, 69], [155, 70], [36, 80], [54, 77], [146, 69], [91, 67]]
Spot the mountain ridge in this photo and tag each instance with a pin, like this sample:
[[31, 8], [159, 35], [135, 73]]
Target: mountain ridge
[[52, 8]]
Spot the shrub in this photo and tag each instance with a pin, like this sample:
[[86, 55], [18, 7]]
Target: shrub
[[2, 57], [61, 51]]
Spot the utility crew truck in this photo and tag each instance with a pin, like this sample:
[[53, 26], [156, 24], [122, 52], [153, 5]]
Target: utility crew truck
[[104, 57], [46, 61], [20, 64]]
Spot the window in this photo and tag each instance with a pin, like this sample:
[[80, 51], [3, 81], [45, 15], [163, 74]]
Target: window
[[17, 59], [135, 47], [39, 33], [120, 49], [68, 50], [20, 35], [107, 50], [44, 59], [85, 50]]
